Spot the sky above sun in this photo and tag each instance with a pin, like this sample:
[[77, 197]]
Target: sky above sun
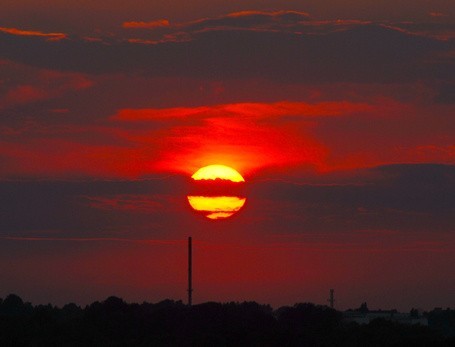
[[339, 115]]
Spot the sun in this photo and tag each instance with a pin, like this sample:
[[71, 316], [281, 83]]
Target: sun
[[217, 199], [212, 172]]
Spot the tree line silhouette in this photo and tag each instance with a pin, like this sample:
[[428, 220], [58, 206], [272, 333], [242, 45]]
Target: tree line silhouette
[[114, 322]]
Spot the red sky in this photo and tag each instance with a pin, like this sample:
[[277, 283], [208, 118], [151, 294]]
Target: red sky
[[339, 117]]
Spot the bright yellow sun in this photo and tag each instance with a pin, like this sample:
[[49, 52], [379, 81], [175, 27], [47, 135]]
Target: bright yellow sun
[[216, 207], [213, 172], [221, 206]]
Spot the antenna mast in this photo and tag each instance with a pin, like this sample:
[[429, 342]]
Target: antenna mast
[[331, 299]]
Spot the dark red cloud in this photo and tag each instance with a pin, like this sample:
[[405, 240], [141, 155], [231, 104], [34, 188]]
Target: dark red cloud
[[248, 110], [437, 14], [106, 16], [20, 32], [24, 85], [146, 25], [135, 203], [282, 46]]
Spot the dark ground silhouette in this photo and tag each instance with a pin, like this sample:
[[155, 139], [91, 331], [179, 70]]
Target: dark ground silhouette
[[171, 323]]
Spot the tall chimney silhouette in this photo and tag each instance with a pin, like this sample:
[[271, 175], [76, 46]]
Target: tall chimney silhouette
[[190, 272]]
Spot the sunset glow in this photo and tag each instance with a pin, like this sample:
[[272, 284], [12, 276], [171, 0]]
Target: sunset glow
[[303, 145]]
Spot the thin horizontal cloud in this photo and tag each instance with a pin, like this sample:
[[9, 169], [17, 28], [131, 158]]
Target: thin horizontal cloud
[[437, 32], [126, 202], [250, 110], [91, 239], [144, 42], [146, 25], [247, 20], [437, 14], [20, 32], [273, 14]]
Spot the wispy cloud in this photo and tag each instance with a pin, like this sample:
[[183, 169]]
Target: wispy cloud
[[91, 239], [20, 32], [249, 110], [146, 25], [127, 202], [437, 14]]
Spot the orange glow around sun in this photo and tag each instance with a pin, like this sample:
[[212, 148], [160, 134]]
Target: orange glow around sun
[[222, 206]]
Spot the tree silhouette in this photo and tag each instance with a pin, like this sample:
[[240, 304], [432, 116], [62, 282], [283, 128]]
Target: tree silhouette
[[114, 322]]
